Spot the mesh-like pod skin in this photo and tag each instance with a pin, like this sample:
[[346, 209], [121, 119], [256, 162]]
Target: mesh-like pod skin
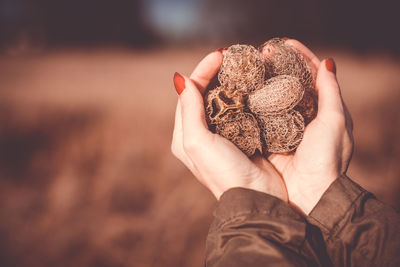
[[242, 68], [308, 106], [242, 130], [219, 101], [265, 99], [283, 132], [279, 94], [225, 116], [283, 59]]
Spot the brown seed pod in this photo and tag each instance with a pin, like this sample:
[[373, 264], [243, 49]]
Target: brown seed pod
[[265, 98], [280, 59], [279, 94], [308, 106], [242, 69], [242, 130], [281, 133], [221, 100]]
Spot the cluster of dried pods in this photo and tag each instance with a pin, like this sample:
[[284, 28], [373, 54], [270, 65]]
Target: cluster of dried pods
[[265, 98]]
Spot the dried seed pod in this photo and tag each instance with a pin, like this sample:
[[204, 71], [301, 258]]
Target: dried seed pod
[[280, 59], [242, 68], [265, 98], [221, 100], [308, 107], [242, 130], [281, 133], [279, 94]]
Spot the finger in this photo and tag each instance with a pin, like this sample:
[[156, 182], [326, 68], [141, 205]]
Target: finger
[[310, 56], [206, 70], [177, 136], [177, 142], [349, 119], [330, 103], [194, 127]]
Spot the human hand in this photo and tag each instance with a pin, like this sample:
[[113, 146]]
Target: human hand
[[325, 151], [215, 161]]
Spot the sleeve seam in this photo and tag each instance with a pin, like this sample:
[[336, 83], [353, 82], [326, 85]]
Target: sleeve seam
[[236, 218]]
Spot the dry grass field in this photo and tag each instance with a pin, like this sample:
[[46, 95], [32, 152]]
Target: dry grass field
[[86, 173]]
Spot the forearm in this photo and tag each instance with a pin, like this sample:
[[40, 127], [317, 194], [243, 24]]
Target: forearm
[[255, 229], [358, 229]]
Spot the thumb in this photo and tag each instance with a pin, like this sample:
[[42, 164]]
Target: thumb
[[330, 104], [192, 108]]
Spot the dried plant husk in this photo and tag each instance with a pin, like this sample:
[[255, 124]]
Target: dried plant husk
[[265, 98], [242, 68], [220, 101], [279, 94], [281, 133], [283, 59], [242, 130]]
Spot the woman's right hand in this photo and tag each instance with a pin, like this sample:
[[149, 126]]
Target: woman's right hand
[[215, 161]]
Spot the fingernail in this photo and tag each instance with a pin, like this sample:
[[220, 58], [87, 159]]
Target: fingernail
[[330, 65], [221, 49], [285, 38], [179, 83]]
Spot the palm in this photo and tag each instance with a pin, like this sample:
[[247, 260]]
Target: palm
[[227, 157], [312, 168]]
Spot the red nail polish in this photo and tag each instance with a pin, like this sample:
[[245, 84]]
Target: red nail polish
[[330, 65], [285, 38], [179, 83], [221, 49]]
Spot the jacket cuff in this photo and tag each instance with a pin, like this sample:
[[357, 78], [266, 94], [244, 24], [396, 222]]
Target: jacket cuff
[[338, 199], [252, 228], [241, 202]]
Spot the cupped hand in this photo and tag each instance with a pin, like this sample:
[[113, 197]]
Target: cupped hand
[[325, 151], [215, 161]]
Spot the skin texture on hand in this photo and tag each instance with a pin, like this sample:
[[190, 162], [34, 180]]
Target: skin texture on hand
[[215, 161], [325, 151]]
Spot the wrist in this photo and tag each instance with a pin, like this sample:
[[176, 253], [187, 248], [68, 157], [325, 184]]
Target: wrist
[[309, 190], [270, 184], [273, 186]]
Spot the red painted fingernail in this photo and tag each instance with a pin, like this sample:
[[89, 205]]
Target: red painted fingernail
[[285, 38], [179, 83], [330, 65], [221, 49]]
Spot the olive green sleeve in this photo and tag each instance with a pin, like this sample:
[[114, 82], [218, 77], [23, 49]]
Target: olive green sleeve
[[255, 229], [358, 229]]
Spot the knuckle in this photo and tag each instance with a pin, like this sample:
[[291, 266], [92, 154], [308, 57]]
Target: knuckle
[[337, 117], [191, 144], [350, 124], [335, 120], [340, 120], [339, 124], [176, 150]]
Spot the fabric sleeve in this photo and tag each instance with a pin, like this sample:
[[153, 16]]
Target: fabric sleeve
[[358, 229], [255, 229]]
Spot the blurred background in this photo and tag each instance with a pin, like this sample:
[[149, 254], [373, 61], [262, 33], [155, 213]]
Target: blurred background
[[87, 106]]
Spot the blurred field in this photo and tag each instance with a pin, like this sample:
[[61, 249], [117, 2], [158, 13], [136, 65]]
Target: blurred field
[[86, 173]]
